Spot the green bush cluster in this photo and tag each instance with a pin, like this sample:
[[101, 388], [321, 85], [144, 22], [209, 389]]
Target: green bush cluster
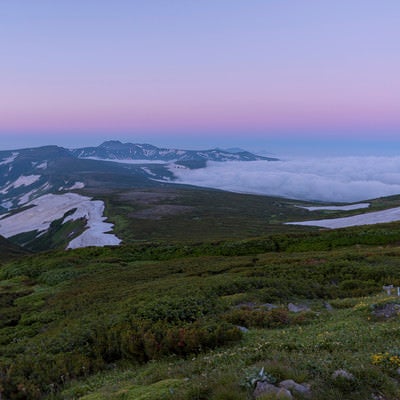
[[259, 318]]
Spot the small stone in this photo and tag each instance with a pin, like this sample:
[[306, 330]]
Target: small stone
[[242, 328], [328, 306], [269, 306], [296, 308], [342, 373]]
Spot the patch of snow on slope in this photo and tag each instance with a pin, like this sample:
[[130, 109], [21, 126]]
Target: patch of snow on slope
[[96, 234], [338, 208], [76, 185], [50, 207], [9, 160], [125, 161], [7, 205], [148, 171], [25, 198], [5, 189], [377, 217], [43, 165], [25, 180]]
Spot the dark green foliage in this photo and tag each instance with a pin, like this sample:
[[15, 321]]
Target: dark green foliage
[[66, 315], [259, 318], [9, 250]]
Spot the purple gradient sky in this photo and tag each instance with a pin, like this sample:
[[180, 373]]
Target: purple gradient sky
[[200, 73]]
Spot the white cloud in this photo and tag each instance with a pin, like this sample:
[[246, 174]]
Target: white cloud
[[337, 179]]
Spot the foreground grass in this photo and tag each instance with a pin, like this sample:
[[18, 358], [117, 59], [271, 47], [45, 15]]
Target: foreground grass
[[340, 339], [160, 321]]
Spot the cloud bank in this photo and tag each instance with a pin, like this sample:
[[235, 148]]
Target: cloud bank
[[336, 179]]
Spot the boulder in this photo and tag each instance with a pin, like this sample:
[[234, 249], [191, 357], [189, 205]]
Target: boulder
[[303, 389], [265, 388], [388, 310]]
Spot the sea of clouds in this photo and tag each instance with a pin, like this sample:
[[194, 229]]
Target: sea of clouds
[[335, 179]]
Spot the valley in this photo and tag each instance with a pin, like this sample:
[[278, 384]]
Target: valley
[[117, 282]]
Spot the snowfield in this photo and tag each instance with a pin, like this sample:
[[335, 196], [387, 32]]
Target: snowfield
[[337, 208], [377, 217], [9, 160], [125, 161], [51, 207], [21, 181]]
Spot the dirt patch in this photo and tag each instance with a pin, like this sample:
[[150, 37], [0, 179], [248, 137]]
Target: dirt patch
[[141, 197], [157, 212]]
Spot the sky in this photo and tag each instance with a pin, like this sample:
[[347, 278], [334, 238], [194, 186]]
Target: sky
[[278, 77]]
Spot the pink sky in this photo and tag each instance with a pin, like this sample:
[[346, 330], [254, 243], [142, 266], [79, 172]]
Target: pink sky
[[227, 69]]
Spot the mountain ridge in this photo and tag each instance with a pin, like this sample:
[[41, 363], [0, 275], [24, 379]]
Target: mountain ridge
[[116, 150]]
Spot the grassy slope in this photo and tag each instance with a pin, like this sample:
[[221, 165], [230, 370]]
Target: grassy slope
[[178, 213], [68, 317], [9, 250]]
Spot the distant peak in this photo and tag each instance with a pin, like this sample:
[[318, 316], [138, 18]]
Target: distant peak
[[111, 143]]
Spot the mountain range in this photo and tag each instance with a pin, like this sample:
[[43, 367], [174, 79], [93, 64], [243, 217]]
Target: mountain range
[[115, 150], [54, 197]]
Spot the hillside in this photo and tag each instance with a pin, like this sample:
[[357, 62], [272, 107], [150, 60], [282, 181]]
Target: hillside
[[200, 321], [9, 250]]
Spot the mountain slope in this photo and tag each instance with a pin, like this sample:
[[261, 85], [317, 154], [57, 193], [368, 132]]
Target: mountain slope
[[115, 150], [68, 316], [9, 250]]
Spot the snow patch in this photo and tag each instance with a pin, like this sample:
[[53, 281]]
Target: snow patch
[[51, 207], [148, 171], [77, 185], [7, 205], [377, 217], [338, 208], [26, 197], [96, 234], [21, 181], [25, 180], [126, 161], [43, 165], [10, 159]]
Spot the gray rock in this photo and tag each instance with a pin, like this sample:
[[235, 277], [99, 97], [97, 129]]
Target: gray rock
[[284, 394], [328, 306], [296, 308], [250, 305], [342, 373], [269, 306], [388, 289], [303, 389], [242, 328], [263, 388], [388, 310]]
